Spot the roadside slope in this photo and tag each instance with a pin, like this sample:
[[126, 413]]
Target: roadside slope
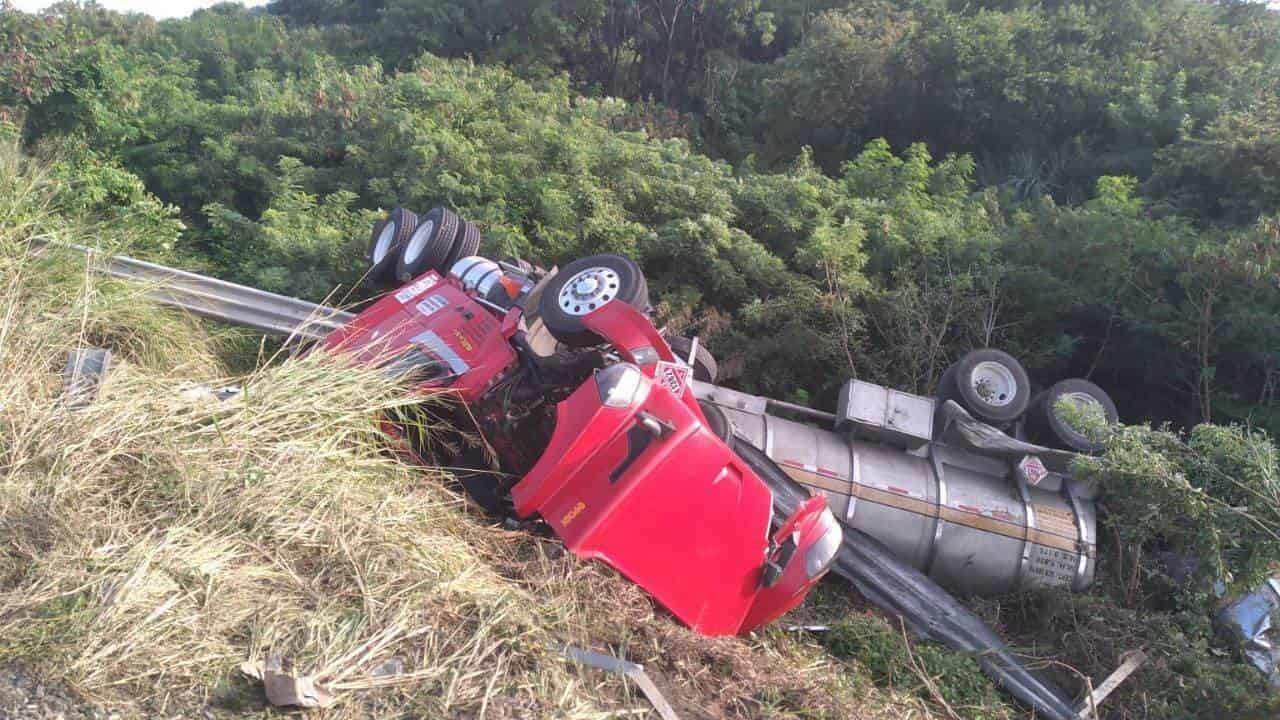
[[157, 539]]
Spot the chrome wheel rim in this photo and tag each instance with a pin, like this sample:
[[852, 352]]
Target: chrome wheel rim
[[994, 383], [418, 241], [588, 290]]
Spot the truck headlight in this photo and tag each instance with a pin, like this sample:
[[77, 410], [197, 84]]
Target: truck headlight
[[414, 365], [820, 555], [619, 384]]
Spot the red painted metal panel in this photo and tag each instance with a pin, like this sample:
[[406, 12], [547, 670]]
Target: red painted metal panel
[[686, 520], [640, 482], [436, 315]]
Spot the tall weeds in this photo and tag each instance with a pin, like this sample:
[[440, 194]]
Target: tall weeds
[[155, 540]]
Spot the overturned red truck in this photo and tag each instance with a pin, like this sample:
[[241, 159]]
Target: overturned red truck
[[592, 417], [588, 418], [568, 405]]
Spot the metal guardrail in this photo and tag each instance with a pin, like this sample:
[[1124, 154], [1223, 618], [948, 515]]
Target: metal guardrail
[[221, 300]]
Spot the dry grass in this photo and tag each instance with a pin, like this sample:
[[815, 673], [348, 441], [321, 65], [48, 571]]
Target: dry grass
[[153, 542]]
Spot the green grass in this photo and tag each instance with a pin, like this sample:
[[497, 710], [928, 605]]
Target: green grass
[[934, 673]]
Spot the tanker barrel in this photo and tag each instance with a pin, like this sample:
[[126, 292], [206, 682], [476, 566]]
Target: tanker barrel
[[963, 518]]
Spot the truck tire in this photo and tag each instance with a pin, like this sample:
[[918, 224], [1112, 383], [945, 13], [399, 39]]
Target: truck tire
[[946, 390], [990, 384], [385, 243], [1046, 427], [585, 285], [430, 244], [466, 244], [704, 363]]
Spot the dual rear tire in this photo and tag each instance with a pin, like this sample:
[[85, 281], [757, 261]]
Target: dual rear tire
[[993, 387], [403, 246], [991, 384], [1069, 415], [386, 243]]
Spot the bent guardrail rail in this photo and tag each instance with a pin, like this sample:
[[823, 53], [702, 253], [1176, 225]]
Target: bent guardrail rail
[[219, 299]]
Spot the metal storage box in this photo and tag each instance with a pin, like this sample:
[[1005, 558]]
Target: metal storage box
[[875, 412]]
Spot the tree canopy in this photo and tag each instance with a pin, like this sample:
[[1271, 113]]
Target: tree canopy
[[821, 189]]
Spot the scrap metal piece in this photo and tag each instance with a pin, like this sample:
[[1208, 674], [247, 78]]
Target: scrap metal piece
[[83, 374], [284, 689], [807, 628], [1254, 619], [629, 669], [202, 393], [991, 440]]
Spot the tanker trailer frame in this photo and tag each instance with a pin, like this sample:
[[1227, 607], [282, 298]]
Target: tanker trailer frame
[[976, 510]]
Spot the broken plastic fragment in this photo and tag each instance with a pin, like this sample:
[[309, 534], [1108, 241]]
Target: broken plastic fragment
[[83, 374]]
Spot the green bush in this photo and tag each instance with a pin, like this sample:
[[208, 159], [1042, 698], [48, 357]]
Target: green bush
[[1208, 499], [1188, 520], [1188, 675]]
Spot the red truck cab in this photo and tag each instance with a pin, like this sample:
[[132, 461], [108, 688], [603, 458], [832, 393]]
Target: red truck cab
[[628, 470]]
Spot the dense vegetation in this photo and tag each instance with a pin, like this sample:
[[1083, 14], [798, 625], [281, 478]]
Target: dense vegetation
[[155, 539], [1090, 185], [822, 189]]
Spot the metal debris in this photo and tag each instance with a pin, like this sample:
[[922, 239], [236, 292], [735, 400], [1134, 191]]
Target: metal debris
[[807, 628], [1254, 620], [631, 670]]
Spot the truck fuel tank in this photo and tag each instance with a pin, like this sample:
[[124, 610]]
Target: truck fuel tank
[[966, 519]]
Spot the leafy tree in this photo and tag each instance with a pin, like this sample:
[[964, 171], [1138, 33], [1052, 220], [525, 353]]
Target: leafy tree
[[827, 91], [275, 140], [1228, 173], [302, 244], [1106, 288], [1055, 93]]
